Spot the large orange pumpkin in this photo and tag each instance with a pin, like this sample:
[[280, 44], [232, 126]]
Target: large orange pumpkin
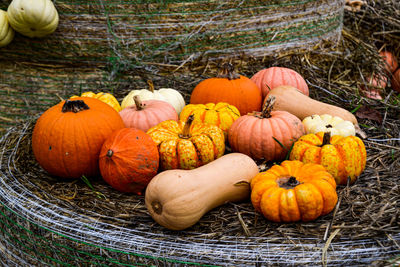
[[231, 88], [220, 114], [67, 138], [146, 114], [183, 145], [343, 157], [265, 135], [293, 191], [129, 160], [268, 79]]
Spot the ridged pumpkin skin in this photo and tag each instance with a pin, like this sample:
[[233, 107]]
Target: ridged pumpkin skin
[[229, 87], [105, 97], [220, 114], [33, 18], [343, 157], [187, 147], [67, 144], [268, 79], [254, 134], [146, 114], [294, 191], [128, 160], [6, 31]]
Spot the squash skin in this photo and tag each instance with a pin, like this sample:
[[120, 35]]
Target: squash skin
[[6, 31], [177, 199]]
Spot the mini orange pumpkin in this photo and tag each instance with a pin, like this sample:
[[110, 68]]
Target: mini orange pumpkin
[[261, 135], [293, 191], [129, 160], [343, 157], [231, 88], [220, 114], [67, 138], [183, 145]]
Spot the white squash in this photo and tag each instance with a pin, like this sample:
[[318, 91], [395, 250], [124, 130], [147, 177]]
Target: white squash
[[169, 95], [6, 32], [33, 18], [327, 123]]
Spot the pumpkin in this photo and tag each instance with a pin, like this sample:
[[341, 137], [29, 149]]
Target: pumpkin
[[146, 114], [33, 18], [177, 199], [327, 123], [294, 191], [105, 97], [396, 81], [289, 99], [268, 79], [67, 138], [375, 85], [169, 95], [6, 32], [183, 145], [128, 160], [265, 135], [343, 157], [390, 61], [220, 114], [229, 87]]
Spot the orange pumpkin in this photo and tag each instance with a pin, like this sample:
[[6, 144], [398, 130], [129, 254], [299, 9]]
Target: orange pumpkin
[[268, 79], [265, 135], [67, 138], [390, 61], [231, 88], [220, 114], [375, 86], [146, 114], [396, 81], [129, 160], [183, 145], [293, 191], [105, 97], [343, 157]]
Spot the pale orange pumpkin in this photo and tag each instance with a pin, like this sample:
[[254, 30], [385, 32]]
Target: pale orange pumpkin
[[268, 79], [343, 157], [183, 145], [146, 114], [265, 135], [294, 191]]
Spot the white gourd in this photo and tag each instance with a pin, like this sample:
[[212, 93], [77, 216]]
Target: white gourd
[[327, 123], [6, 32]]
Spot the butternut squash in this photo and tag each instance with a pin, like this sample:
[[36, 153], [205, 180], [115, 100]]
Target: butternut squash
[[177, 199], [289, 99]]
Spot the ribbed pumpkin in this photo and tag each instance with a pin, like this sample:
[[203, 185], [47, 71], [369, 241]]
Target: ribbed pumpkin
[[261, 135], [146, 114], [6, 31], [390, 61], [105, 97], [67, 138], [187, 145], [129, 160], [293, 191], [231, 88], [268, 79], [220, 114], [343, 157]]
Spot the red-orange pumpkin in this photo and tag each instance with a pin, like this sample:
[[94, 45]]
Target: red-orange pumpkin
[[67, 138], [231, 88], [146, 114], [265, 135], [129, 160], [268, 79], [396, 81], [375, 85], [390, 61]]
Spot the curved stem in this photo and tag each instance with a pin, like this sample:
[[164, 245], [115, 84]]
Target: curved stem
[[186, 129], [151, 85], [139, 105], [228, 72], [74, 106]]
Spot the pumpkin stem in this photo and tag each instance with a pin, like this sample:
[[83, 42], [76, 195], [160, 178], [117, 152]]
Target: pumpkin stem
[[288, 182], [151, 85], [74, 106], [326, 139], [110, 153], [228, 72], [186, 129], [139, 105]]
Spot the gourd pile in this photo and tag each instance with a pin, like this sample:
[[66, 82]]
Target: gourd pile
[[155, 145]]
